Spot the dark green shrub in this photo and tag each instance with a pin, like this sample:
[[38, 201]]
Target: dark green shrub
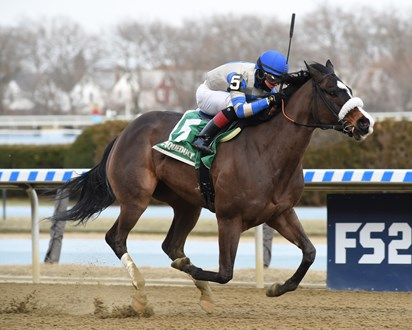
[[88, 148], [390, 146], [32, 156]]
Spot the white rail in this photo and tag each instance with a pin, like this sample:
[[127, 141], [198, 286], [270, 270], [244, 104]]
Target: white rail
[[55, 121], [81, 121]]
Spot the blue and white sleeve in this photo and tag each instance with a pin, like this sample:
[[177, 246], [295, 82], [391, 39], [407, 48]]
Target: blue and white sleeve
[[244, 109]]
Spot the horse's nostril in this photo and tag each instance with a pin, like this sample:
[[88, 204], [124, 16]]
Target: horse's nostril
[[363, 123]]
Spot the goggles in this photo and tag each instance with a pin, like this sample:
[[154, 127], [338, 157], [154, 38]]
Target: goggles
[[272, 79]]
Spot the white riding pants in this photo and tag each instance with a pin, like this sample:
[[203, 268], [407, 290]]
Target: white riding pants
[[210, 101]]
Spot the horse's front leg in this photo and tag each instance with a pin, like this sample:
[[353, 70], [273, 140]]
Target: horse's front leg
[[289, 226], [229, 235]]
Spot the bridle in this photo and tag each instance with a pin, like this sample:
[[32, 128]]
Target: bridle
[[318, 91]]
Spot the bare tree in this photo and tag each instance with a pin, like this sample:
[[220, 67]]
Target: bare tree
[[61, 54], [392, 37], [370, 50], [11, 57], [142, 45]]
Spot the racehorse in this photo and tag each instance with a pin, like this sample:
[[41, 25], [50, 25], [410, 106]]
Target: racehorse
[[257, 176]]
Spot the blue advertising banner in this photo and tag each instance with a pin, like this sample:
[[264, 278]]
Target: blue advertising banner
[[369, 242]]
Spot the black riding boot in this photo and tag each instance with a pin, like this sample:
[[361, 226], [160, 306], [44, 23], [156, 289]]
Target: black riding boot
[[205, 138]]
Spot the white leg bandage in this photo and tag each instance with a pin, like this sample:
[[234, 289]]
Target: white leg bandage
[[137, 278]]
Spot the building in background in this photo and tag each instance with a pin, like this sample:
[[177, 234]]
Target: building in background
[[127, 93]]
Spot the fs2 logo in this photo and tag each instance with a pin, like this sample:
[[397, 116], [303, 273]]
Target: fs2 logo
[[373, 243]]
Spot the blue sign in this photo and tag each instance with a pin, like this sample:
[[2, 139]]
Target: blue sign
[[370, 242]]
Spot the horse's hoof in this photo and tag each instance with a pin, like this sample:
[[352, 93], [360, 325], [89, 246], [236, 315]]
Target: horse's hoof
[[275, 290], [207, 305], [140, 304], [181, 264], [206, 301], [142, 308]]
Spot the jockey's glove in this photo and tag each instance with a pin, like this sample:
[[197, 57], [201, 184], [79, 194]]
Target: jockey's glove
[[276, 99]]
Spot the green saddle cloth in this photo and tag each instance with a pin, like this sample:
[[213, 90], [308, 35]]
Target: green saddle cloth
[[179, 145]]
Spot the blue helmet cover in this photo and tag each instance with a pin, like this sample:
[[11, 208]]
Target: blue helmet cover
[[273, 62]]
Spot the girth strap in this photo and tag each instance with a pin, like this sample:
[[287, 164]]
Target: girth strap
[[206, 186]]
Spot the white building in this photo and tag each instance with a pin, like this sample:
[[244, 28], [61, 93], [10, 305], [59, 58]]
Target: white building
[[15, 100], [87, 95], [125, 94]]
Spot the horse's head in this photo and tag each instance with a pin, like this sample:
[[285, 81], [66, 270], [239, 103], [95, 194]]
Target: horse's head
[[333, 103]]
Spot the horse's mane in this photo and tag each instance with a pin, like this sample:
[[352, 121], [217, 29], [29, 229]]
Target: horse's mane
[[321, 68], [294, 81]]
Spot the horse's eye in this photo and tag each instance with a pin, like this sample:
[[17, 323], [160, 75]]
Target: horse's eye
[[333, 94]]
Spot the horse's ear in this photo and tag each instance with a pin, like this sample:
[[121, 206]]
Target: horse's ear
[[314, 73], [330, 65]]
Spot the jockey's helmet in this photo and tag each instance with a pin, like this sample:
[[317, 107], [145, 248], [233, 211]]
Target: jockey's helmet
[[270, 66], [272, 62]]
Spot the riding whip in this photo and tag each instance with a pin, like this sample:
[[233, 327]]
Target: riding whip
[[292, 26]]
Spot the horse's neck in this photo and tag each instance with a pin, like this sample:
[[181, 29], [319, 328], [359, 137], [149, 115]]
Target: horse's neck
[[299, 107], [282, 140], [281, 144]]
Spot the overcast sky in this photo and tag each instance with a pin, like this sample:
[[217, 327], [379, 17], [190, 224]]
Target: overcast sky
[[95, 15]]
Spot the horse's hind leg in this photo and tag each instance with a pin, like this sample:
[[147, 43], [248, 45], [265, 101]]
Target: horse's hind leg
[[116, 238], [184, 220], [288, 226]]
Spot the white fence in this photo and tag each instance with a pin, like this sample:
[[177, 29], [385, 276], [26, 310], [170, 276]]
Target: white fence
[[81, 121], [55, 122]]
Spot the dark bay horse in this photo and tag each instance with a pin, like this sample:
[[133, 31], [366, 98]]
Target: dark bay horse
[[258, 179]]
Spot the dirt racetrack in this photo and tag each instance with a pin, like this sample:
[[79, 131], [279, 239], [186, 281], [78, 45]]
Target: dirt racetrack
[[84, 297]]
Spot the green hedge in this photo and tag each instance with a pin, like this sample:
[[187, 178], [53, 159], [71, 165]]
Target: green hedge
[[33, 156], [88, 148], [85, 152], [390, 146]]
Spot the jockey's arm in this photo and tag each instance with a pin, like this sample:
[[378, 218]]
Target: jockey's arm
[[244, 109]]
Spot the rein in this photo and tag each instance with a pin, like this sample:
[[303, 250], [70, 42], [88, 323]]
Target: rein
[[316, 91]]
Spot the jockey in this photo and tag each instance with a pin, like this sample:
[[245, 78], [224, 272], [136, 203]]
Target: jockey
[[241, 89]]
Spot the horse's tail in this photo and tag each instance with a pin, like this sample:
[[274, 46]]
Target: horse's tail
[[95, 193]]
